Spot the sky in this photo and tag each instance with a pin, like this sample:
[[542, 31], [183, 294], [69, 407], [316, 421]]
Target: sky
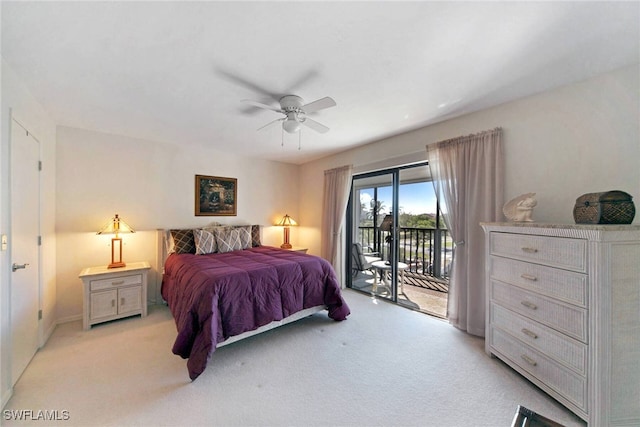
[[415, 198]]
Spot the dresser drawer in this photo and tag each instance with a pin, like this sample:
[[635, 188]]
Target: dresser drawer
[[568, 384], [565, 318], [111, 282], [561, 348], [566, 285], [559, 252]]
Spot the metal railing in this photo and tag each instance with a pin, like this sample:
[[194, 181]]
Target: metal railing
[[425, 250]]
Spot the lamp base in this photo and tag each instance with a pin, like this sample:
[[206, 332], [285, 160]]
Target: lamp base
[[117, 265], [286, 246]]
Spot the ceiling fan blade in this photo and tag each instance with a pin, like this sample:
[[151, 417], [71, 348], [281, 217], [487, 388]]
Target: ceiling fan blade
[[261, 105], [318, 127], [271, 123], [319, 104], [302, 81], [235, 78]]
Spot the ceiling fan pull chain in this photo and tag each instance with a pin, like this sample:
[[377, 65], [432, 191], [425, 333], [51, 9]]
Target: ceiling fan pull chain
[[299, 139], [282, 143]]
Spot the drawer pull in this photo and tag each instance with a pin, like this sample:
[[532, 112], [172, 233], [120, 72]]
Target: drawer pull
[[529, 360], [530, 333], [528, 304], [529, 277], [122, 301], [530, 250], [113, 303], [119, 282]]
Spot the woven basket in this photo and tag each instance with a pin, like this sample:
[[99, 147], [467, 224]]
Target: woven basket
[[609, 207]]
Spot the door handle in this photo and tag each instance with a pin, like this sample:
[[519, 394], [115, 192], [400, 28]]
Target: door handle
[[15, 266]]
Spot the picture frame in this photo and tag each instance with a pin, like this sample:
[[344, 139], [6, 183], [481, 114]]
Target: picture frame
[[216, 196]]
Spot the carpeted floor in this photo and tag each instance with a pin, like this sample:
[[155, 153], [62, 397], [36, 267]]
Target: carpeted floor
[[384, 366]]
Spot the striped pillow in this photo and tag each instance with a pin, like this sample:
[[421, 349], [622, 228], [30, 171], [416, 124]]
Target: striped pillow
[[205, 241], [183, 242], [255, 236], [233, 239]]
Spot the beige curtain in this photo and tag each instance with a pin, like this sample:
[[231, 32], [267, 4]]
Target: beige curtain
[[468, 178], [337, 185]]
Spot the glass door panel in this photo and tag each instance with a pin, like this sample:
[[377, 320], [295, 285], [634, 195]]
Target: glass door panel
[[372, 230]]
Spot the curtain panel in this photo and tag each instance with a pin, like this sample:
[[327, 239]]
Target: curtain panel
[[337, 186], [468, 178]]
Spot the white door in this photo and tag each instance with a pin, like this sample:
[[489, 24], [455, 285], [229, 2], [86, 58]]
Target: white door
[[25, 228]]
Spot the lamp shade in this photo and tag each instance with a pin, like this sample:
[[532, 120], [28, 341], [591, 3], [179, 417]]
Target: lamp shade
[[116, 226], [386, 223], [286, 221]]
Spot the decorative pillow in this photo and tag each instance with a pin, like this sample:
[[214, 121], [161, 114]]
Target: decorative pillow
[[205, 241], [233, 239], [168, 242], [255, 236], [183, 242]]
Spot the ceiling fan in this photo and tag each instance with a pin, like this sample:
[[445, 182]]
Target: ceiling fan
[[295, 112]]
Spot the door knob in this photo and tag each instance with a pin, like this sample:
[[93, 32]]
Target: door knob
[[15, 266]]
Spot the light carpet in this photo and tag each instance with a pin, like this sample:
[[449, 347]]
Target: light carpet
[[383, 366]]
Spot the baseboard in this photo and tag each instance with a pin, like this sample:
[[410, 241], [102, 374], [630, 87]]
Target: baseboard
[[69, 319], [6, 396], [47, 334]]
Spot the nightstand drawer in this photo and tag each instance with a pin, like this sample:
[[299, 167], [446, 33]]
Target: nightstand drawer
[[561, 252], [112, 282], [565, 318]]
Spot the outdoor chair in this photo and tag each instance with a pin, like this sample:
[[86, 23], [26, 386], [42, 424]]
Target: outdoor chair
[[362, 261]]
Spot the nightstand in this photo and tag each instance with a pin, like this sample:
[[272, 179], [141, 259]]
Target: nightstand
[[298, 249], [113, 293]]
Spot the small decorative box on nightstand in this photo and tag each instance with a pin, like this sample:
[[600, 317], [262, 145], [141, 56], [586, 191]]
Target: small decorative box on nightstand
[[113, 293]]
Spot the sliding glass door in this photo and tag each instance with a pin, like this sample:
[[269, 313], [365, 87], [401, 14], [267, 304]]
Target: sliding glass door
[[400, 249]]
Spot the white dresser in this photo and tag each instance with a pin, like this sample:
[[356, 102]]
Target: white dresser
[[563, 309]]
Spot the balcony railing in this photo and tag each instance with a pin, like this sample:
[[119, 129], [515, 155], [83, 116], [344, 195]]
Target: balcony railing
[[426, 251]]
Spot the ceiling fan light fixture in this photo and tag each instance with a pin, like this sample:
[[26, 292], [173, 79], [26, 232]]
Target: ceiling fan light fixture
[[291, 125]]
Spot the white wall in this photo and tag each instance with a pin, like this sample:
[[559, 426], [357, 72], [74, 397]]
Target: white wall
[[150, 185], [560, 144], [17, 101]]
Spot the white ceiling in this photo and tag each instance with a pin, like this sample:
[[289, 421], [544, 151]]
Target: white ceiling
[[177, 71]]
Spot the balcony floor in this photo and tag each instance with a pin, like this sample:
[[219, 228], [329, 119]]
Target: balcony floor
[[421, 292]]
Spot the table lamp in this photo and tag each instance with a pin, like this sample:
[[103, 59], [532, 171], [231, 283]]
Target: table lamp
[[286, 222], [387, 224], [116, 226]]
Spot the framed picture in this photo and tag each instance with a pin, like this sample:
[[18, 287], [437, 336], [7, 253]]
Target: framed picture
[[216, 196]]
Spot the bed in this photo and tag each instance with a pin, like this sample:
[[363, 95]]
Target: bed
[[221, 294]]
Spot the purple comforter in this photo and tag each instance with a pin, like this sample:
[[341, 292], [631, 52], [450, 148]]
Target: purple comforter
[[217, 296]]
